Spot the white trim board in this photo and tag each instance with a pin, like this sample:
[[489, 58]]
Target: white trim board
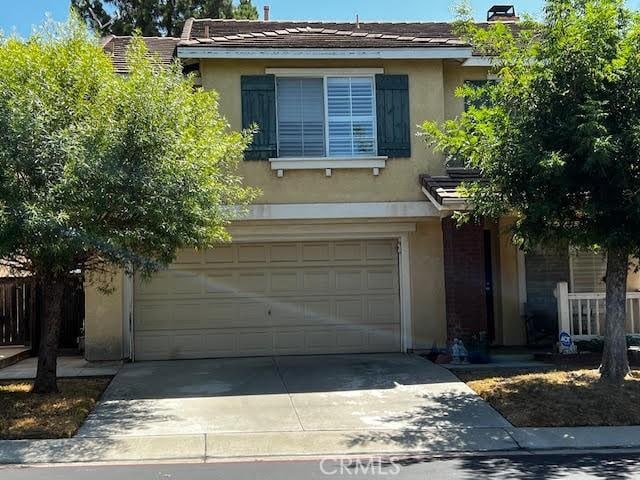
[[327, 53], [326, 162], [478, 61], [331, 211], [315, 72], [449, 205]]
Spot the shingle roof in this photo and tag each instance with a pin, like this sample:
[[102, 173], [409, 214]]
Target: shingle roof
[[290, 34], [444, 188], [116, 46]]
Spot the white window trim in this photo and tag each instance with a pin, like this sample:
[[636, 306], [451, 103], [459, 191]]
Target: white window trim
[[327, 163]]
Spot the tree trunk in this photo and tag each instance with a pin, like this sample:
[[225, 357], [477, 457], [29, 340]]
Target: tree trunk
[[615, 364], [53, 296]]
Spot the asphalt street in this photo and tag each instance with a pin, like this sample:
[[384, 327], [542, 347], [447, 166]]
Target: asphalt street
[[609, 465]]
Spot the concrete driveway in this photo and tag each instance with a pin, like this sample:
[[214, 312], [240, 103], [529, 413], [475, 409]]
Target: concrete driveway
[[380, 399]]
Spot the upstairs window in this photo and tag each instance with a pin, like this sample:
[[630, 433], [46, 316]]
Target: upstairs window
[[331, 116]]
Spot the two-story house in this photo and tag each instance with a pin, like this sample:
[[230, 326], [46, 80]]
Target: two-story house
[[351, 246]]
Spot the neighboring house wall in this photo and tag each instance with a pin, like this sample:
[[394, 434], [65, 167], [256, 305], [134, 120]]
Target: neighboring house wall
[[104, 320]]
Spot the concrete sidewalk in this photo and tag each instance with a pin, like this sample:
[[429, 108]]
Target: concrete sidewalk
[[210, 447], [68, 366]]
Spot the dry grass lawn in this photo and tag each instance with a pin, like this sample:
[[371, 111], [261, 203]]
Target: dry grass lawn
[[26, 415], [557, 398]]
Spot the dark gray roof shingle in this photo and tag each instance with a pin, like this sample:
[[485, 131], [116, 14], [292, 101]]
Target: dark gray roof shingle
[[444, 188], [289, 34], [116, 46]]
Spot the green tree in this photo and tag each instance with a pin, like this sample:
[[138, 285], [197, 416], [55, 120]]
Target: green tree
[[559, 139], [156, 17], [100, 171], [245, 11]]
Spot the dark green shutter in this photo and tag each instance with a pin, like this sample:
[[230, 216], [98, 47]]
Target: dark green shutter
[[259, 107], [392, 105]]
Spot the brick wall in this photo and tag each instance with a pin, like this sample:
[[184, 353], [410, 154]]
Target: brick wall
[[464, 277]]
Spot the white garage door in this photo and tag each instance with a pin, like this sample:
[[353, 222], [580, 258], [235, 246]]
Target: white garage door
[[266, 299]]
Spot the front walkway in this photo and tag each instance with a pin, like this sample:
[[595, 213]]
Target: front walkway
[[71, 366]]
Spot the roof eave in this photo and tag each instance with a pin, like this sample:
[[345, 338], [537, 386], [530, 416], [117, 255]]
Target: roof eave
[[457, 52]]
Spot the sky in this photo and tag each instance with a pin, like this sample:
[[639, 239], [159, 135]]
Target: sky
[[20, 16]]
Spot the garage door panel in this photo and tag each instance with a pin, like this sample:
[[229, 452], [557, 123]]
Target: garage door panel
[[159, 284], [251, 282], [384, 336], [252, 254], [222, 342], [189, 256], [282, 298], [351, 337], [378, 279], [319, 252], [321, 339], [350, 280], [317, 281], [344, 251], [284, 253], [285, 281], [153, 317], [186, 283], [382, 309], [288, 341], [244, 314], [188, 343], [285, 312], [221, 254], [256, 343], [381, 251], [317, 311]]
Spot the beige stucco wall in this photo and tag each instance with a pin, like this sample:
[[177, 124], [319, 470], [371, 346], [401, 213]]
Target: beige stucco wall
[[398, 181], [427, 285], [508, 316], [103, 320]]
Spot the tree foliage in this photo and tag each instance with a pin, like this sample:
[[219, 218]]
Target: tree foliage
[[156, 17], [558, 140], [100, 170]]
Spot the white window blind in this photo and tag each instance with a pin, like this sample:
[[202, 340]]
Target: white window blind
[[587, 271], [300, 107], [351, 116]]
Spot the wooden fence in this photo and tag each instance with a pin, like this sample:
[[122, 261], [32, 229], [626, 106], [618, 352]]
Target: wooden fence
[[21, 307]]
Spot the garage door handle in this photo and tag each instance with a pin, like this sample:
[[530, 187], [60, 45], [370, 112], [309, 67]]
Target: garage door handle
[[269, 312]]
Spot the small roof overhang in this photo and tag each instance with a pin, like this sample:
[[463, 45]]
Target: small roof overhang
[[443, 192]]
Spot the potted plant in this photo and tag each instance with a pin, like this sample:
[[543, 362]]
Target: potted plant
[[479, 348]]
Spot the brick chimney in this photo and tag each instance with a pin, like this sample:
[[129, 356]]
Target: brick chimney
[[266, 13], [502, 13]]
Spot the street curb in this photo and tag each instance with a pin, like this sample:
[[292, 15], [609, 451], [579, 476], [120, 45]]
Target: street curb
[[317, 444]]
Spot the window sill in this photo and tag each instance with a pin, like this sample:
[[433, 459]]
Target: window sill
[[327, 163]]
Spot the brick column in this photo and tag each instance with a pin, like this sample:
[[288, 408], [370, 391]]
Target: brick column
[[464, 278]]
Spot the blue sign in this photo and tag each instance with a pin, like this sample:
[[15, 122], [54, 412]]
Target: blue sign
[[565, 339]]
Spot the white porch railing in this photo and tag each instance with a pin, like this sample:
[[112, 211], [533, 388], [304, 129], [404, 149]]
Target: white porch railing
[[583, 314]]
